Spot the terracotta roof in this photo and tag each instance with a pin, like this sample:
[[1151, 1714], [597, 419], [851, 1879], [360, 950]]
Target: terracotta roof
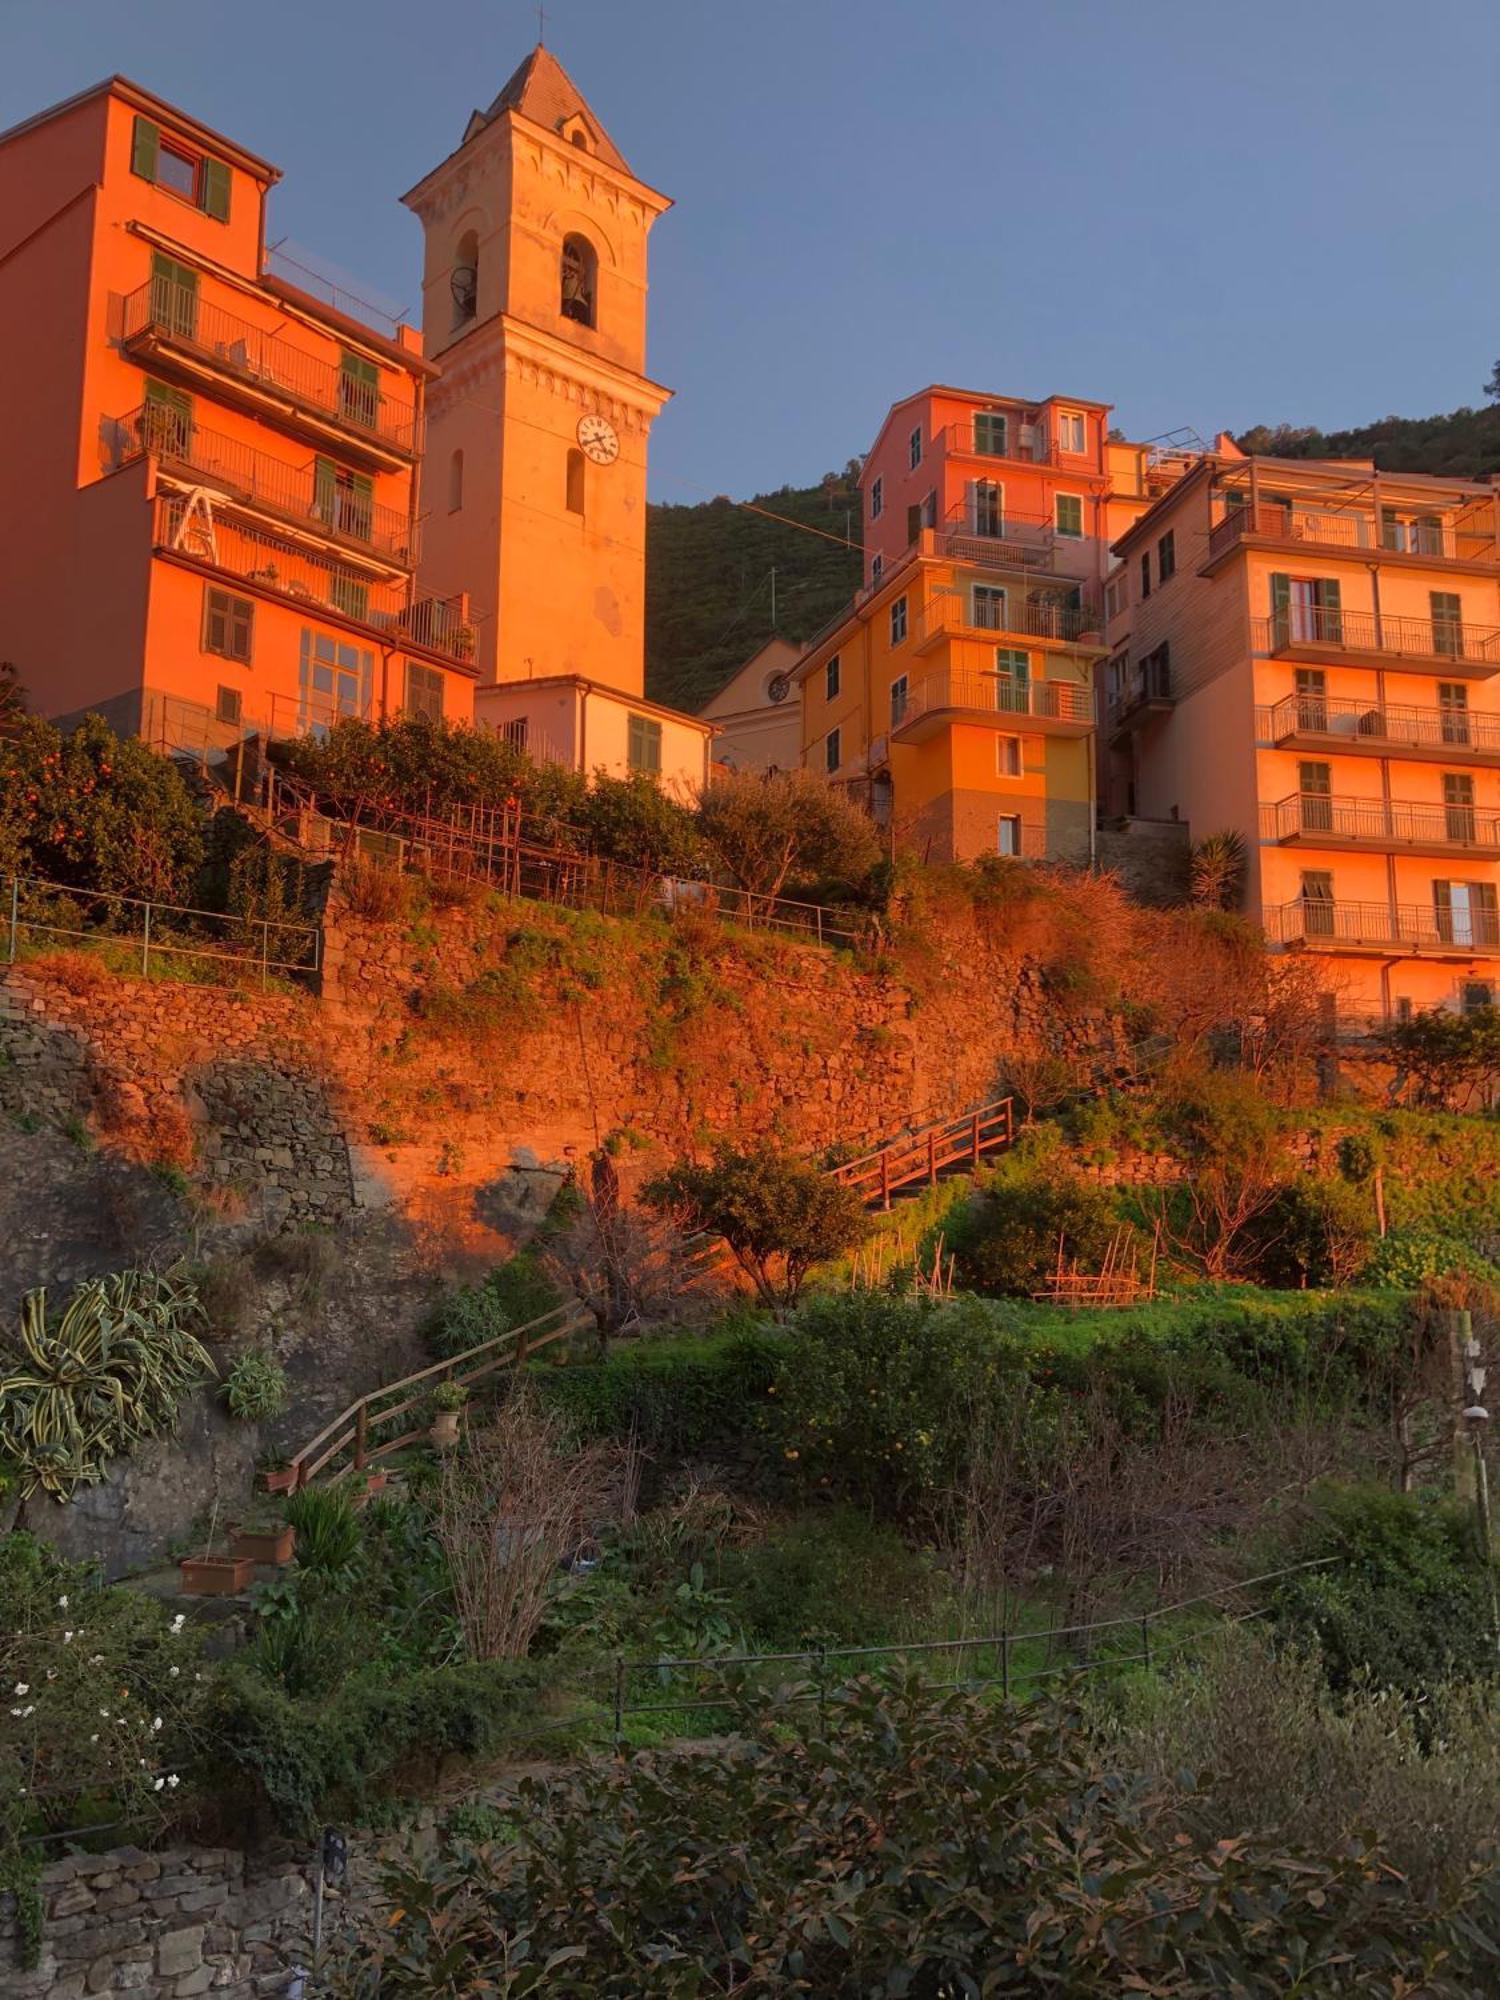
[[542, 91]]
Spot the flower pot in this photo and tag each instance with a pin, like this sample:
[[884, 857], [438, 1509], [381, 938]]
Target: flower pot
[[276, 1479], [444, 1429], [265, 1545], [216, 1576]]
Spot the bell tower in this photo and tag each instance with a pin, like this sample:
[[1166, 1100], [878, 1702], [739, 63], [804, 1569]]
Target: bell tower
[[534, 310]]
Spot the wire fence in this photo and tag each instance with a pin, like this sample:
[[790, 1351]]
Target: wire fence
[[161, 940]]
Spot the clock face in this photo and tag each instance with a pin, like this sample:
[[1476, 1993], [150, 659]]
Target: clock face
[[599, 438]]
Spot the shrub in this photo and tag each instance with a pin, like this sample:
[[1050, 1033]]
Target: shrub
[[514, 1294], [682, 1399], [771, 833], [1217, 870], [633, 821], [1406, 1258], [328, 1538], [821, 1851], [779, 1214], [1448, 1058], [255, 1388], [1007, 1241], [831, 1578], [111, 1370], [1313, 1232]]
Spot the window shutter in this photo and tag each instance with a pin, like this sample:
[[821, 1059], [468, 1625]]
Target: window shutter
[[216, 190], [325, 489], [144, 144]]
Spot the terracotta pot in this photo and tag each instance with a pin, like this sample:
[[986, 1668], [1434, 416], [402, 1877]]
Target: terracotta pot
[[216, 1576], [444, 1429], [276, 1479], [265, 1545]]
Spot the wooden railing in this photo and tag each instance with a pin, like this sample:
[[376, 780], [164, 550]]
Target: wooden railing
[[923, 1155], [349, 1443]]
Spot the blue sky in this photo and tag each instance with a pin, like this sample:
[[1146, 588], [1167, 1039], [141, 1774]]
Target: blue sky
[[1208, 212]]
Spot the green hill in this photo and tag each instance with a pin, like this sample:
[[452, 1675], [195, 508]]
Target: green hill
[[1463, 444], [709, 581]]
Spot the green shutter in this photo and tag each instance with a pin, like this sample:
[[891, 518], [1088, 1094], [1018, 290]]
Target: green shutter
[[144, 144], [1281, 608], [216, 190], [325, 489], [1330, 610]]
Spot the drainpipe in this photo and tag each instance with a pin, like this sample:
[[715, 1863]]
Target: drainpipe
[[583, 729]]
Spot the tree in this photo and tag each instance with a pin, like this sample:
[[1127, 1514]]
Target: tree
[[633, 821], [779, 1215], [1234, 1166], [766, 832], [1451, 1059], [1217, 870]]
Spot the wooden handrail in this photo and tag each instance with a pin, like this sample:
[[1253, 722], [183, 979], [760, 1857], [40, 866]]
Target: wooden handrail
[[922, 1154]]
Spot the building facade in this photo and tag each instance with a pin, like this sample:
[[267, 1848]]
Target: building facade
[[208, 495], [757, 714], [1308, 652], [957, 696]]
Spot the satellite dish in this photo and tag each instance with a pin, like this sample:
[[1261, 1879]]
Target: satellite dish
[[465, 287]]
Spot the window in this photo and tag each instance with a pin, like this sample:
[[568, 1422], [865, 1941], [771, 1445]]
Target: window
[[516, 732], [877, 565], [1145, 573], [898, 622], [1306, 609], [1315, 785], [579, 280], [1008, 756], [455, 482], [1458, 805], [1317, 902], [990, 433], [349, 593], [898, 700], [166, 422], [989, 607], [643, 745], [1467, 913], [345, 501], [228, 706], [334, 679], [1453, 702], [575, 481], [1447, 623], [1405, 1011], [1012, 680], [228, 623], [1069, 516], [914, 448], [877, 499], [1008, 834], [165, 161], [987, 507], [359, 391], [831, 679], [1474, 995], [914, 521], [1312, 698], [424, 692], [1166, 556], [1071, 436], [831, 752], [174, 295], [463, 283]]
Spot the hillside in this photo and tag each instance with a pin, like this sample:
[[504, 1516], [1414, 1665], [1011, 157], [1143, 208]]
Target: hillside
[[1462, 443], [708, 581]]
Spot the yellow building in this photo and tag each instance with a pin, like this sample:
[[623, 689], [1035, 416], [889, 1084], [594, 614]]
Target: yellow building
[[1308, 651], [534, 308]]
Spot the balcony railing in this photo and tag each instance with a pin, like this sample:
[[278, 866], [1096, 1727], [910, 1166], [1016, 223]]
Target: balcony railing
[[392, 611], [177, 317], [1413, 927], [1001, 538], [1363, 632], [1023, 443], [998, 695], [1441, 537], [1041, 615], [1147, 686], [1448, 732], [294, 492], [1316, 817]]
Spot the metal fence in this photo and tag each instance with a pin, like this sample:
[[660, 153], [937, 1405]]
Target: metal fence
[[154, 939]]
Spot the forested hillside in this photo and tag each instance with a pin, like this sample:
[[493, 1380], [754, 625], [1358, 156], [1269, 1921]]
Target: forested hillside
[[1461, 444], [709, 581]]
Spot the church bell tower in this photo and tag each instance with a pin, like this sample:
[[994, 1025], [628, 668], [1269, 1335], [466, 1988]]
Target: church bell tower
[[534, 310]]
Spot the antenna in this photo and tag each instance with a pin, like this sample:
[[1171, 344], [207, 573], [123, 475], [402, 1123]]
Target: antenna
[[541, 23]]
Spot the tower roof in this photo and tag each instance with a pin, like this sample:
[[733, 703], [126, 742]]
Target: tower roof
[[541, 90]]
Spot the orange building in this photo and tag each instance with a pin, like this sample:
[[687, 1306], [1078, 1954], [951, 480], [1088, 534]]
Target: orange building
[[1308, 651], [957, 695], [208, 495]]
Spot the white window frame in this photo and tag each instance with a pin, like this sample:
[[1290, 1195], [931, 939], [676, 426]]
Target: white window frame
[[997, 597], [1075, 423], [900, 694], [988, 417], [914, 449], [900, 620], [1010, 759], [877, 497], [1008, 819], [1068, 534], [877, 566]]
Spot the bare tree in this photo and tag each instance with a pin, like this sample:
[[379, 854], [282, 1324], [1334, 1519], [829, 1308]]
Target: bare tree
[[630, 1268]]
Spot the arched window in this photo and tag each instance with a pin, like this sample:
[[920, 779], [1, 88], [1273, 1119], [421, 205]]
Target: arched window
[[575, 482], [455, 482], [464, 280], [580, 279]]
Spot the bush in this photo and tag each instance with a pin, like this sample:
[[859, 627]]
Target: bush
[[255, 1388], [682, 1399], [779, 1214], [771, 834], [1314, 1232], [1406, 1603], [1407, 1258], [900, 1842], [830, 1578], [328, 1538], [633, 821], [1007, 1240], [514, 1294]]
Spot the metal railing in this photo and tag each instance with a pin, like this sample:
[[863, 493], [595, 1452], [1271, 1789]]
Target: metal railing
[[391, 610], [1442, 639], [293, 491], [996, 694], [1150, 681], [1447, 537], [999, 538], [1412, 927], [166, 313], [1313, 816], [151, 936], [1449, 731], [1027, 441], [1038, 615], [920, 1157]]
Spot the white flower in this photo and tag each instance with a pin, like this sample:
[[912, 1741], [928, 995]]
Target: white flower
[[52, 1673], [62, 1603], [67, 1638], [95, 1737], [97, 1660], [158, 1785], [174, 1781], [22, 1791], [178, 1622], [156, 1724], [23, 1687], [173, 1672], [18, 1711], [105, 1713]]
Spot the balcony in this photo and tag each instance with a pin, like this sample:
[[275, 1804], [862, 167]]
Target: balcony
[[1446, 646], [171, 326], [999, 540], [1147, 691], [1381, 729], [1047, 708], [1382, 826], [1384, 930], [253, 479], [1018, 443], [1436, 537], [1064, 618], [392, 612]]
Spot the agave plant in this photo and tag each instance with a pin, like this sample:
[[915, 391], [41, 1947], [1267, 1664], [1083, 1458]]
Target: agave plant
[[1217, 870], [111, 1370]]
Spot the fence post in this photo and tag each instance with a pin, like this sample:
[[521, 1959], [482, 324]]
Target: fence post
[[146, 945], [619, 1698], [1146, 1639], [520, 1356], [976, 1138], [15, 916], [265, 952], [820, 922], [361, 1436], [932, 1159], [885, 1179], [1005, 1665]]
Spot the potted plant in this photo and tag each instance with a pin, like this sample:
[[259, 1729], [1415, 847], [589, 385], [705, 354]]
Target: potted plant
[[210, 1575], [448, 1398], [274, 1473], [264, 1536]]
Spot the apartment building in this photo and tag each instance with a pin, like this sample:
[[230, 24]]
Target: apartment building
[[208, 496], [1307, 651], [956, 697]]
